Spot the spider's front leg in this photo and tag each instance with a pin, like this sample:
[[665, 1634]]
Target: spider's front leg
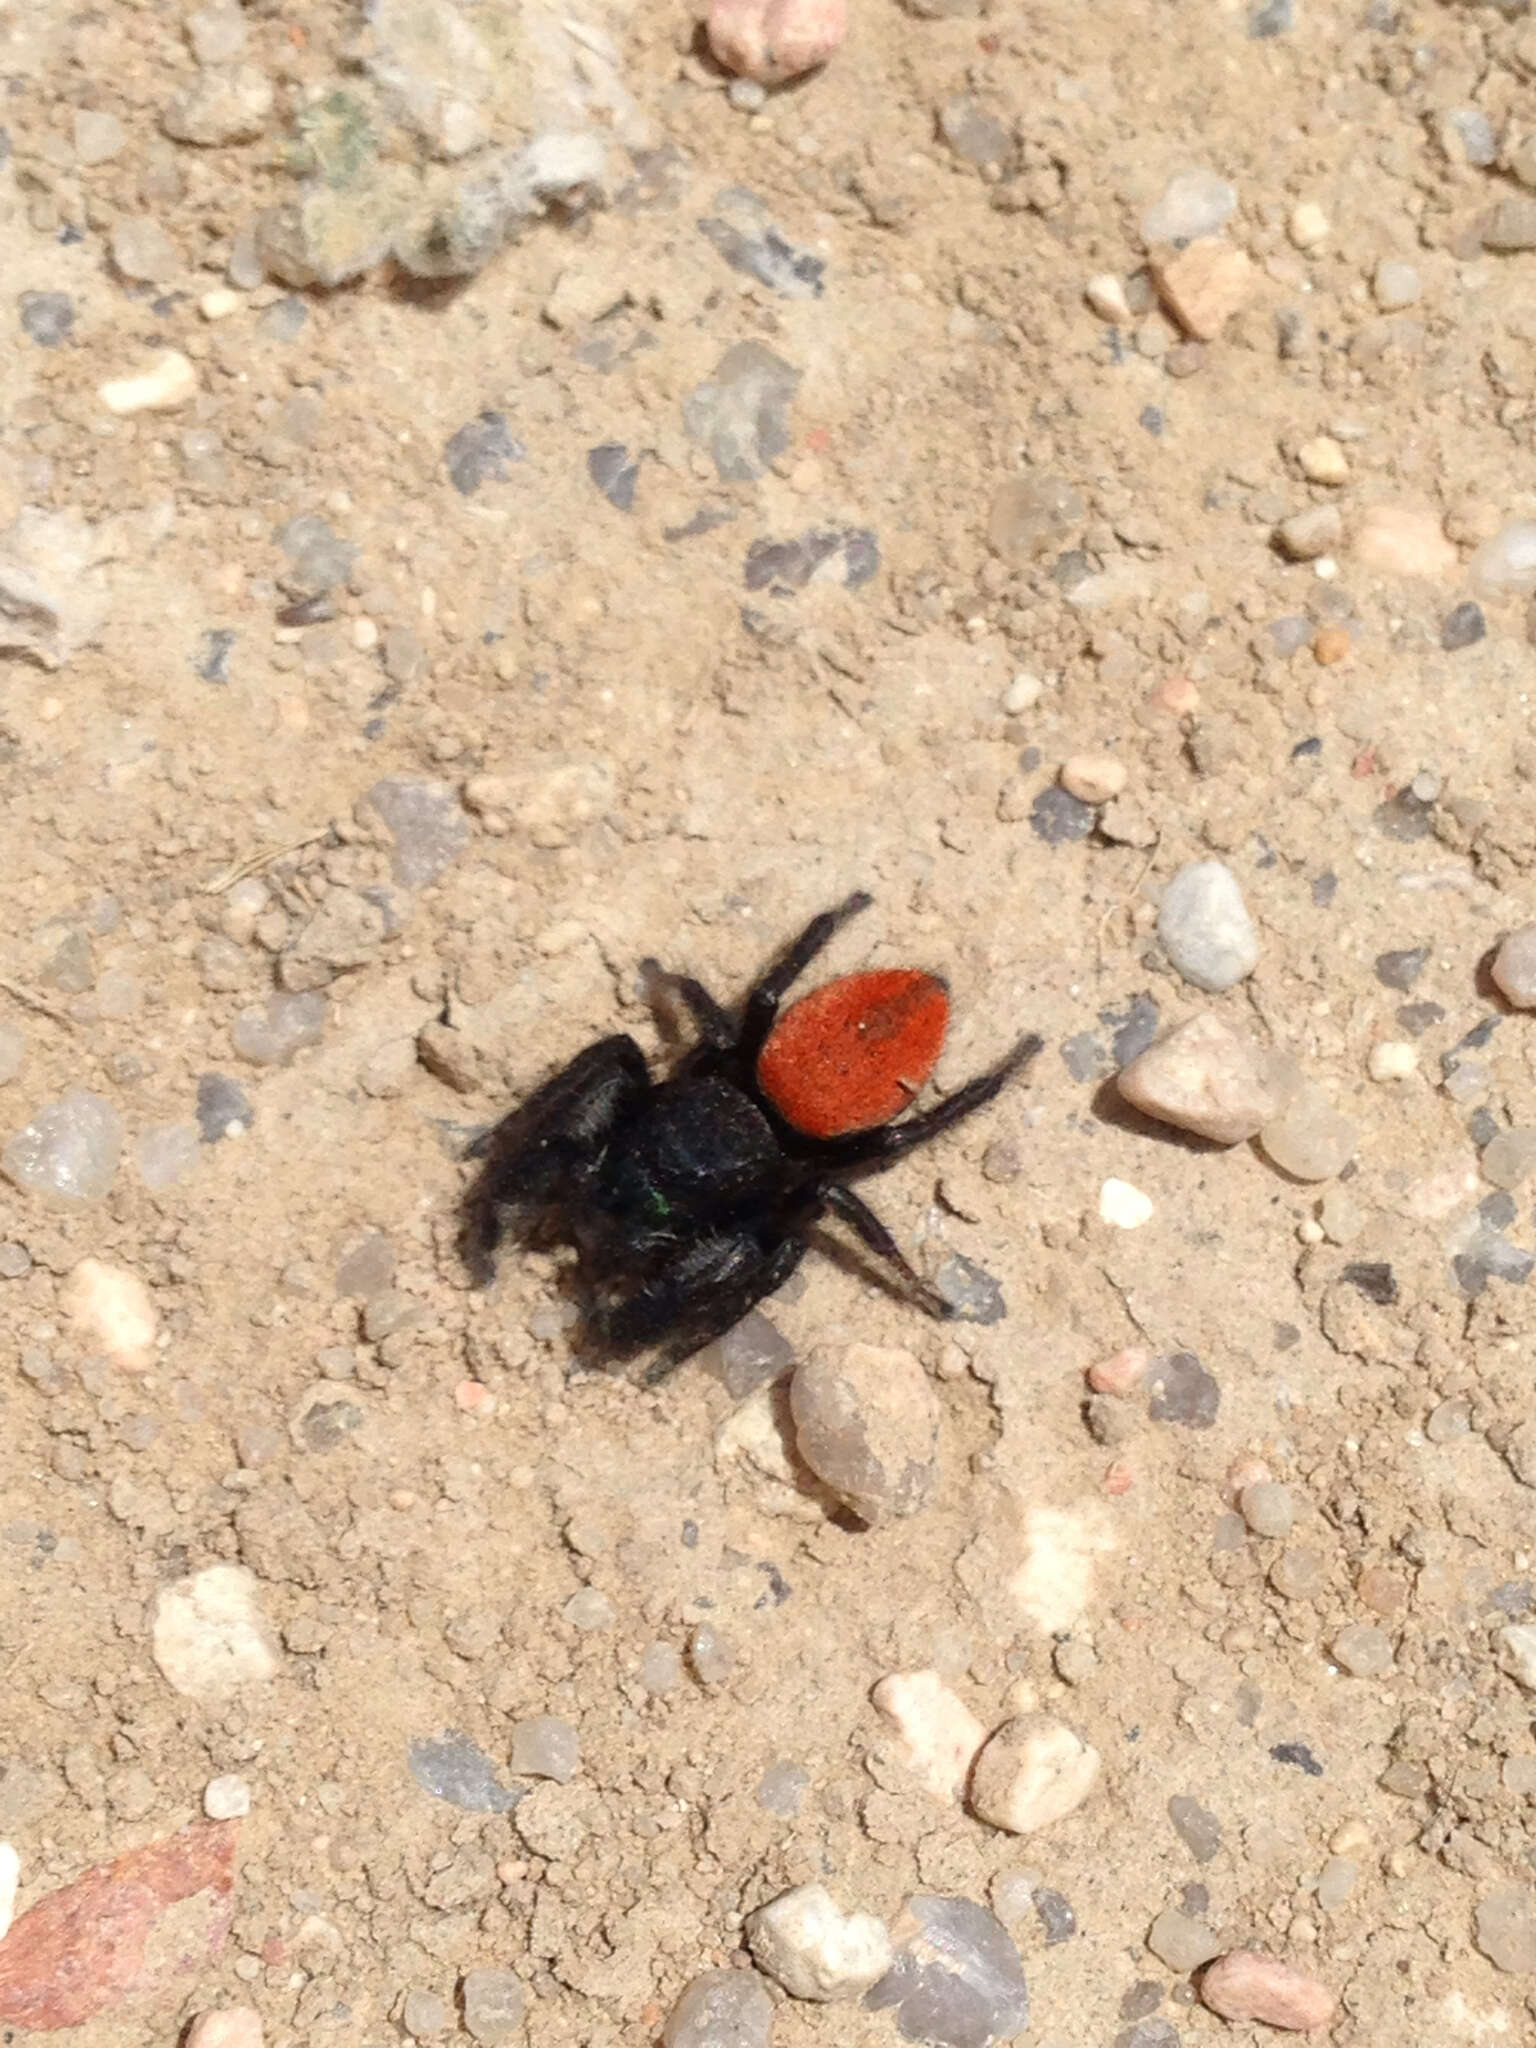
[[530, 1158]]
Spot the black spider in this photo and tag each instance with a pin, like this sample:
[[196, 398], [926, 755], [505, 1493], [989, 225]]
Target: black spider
[[690, 1199]]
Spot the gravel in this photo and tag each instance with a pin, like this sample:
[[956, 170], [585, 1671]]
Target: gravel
[[1204, 927]]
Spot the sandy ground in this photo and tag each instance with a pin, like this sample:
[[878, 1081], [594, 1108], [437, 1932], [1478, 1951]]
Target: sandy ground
[[685, 766]]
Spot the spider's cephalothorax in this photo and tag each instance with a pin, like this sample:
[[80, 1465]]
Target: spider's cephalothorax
[[689, 1199]]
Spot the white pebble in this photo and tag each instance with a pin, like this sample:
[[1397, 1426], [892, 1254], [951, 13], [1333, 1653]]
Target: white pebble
[[231, 2026], [1123, 1206], [1517, 1653], [209, 1635], [1395, 286], [939, 1734], [219, 303], [1308, 225], [169, 382], [10, 1878], [1093, 778], [807, 1943], [1032, 1771], [227, 1797], [1323, 461], [1204, 926], [1022, 694], [365, 635], [1393, 1060], [1106, 295], [113, 1311]]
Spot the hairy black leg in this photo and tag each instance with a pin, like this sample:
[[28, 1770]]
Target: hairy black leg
[[765, 995], [697, 1296], [715, 1027], [858, 1215], [885, 1144], [562, 1127]]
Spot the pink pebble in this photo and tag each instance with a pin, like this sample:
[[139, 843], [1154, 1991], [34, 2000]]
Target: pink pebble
[[771, 40], [1246, 1469], [1121, 1372], [1244, 1985], [232, 2026], [474, 1398], [1118, 1478]]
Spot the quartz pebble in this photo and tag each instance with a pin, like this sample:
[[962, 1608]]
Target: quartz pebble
[[1509, 1160], [775, 40], [1504, 1928], [494, 2003], [1124, 1207], [1181, 1941], [1393, 1059], [1514, 967], [70, 1149], [804, 1941], [1106, 295], [169, 383], [939, 1735], [1309, 1139], [1032, 516], [544, 1746], [1203, 1077], [1336, 1880], [1192, 204], [1308, 225], [867, 1424], [1267, 1508], [209, 1636], [113, 1311], [1362, 1649], [957, 1981], [424, 2015], [1507, 562], [231, 2026], [1245, 1985], [721, 2009], [226, 1798], [1030, 1772], [1204, 926], [1396, 285]]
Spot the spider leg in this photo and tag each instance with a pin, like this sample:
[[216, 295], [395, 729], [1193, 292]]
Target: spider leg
[[886, 1143], [715, 1027], [559, 1130], [695, 1297], [765, 995], [858, 1215]]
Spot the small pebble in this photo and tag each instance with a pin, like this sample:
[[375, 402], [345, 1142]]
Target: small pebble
[[1402, 540], [1123, 1206], [1203, 1077], [1508, 561], [1121, 1373], [1337, 1879], [545, 1747], [270, 1034], [1181, 1941], [1323, 461], [231, 2026], [1030, 1772], [1181, 1391], [1309, 1139], [1031, 516], [782, 1788], [589, 1610], [1022, 694], [1198, 1827], [775, 40], [482, 452], [1244, 1985], [1204, 285], [661, 1669], [1331, 645], [1192, 204], [1106, 295], [494, 2004], [1514, 967], [1362, 1649], [424, 2015], [1504, 1928], [711, 1655], [721, 2009], [1463, 626], [226, 1798], [1393, 1059], [223, 1108], [47, 318], [1306, 536], [98, 137], [957, 1981], [69, 1151], [805, 1942], [142, 251], [867, 1424], [939, 1735], [1308, 225], [1517, 1653], [1204, 926], [221, 105], [1400, 970], [1267, 1508], [169, 383], [1509, 1160], [1093, 778], [1396, 285], [209, 1635], [1340, 1215]]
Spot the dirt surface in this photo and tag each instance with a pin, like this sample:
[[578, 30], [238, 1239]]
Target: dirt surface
[[684, 765]]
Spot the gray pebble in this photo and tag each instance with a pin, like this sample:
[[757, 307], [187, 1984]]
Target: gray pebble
[[710, 1654], [284, 320], [481, 452], [320, 558], [741, 230], [1504, 1928], [1474, 132], [782, 1789], [452, 1767], [1180, 1390], [1058, 817], [15, 1261], [46, 317], [211, 661], [976, 136], [1198, 1827], [142, 251], [1309, 1139], [851, 554], [741, 414], [1307, 535], [589, 1610], [972, 1293], [1267, 1508], [1192, 204], [721, 2009], [223, 1108], [494, 2004], [1204, 926], [269, 1034], [661, 1669], [424, 2015], [221, 964], [1336, 1881], [1297, 1574], [217, 34], [427, 823], [1181, 1941], [70, 1149], [385, 1314], [1396, 285], [614, 473], [1448, 1420], [220, 106], [366, 1269], [1272, 18], [750, 1354], [1151, 2033], [1400, 970], [545, 1747], [1464, 626], [1057, 1920], [165, 1154], [957, 1981], [1363, 1650]]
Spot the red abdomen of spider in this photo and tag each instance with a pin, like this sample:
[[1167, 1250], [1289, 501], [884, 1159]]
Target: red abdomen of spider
[[854, 1052]]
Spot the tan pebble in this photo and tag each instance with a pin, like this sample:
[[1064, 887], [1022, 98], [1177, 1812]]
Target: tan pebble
[[772, 40], [169, 382], [1093, 778], [1351, 1838], [112, 1309], [474, 1398], [1404, 540], [1178, 695], [1032, 1771], [1394, 1059], [1120, 1372], [1514, 967], [1244, 1985], [1382, 1591], [1203, 1077], [1323, 461], [1331, 645], [219, 303], [1308, 225], [232, 2026], [938, 1732], [1204, 285], [1118, 1478], [1106, 295]]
